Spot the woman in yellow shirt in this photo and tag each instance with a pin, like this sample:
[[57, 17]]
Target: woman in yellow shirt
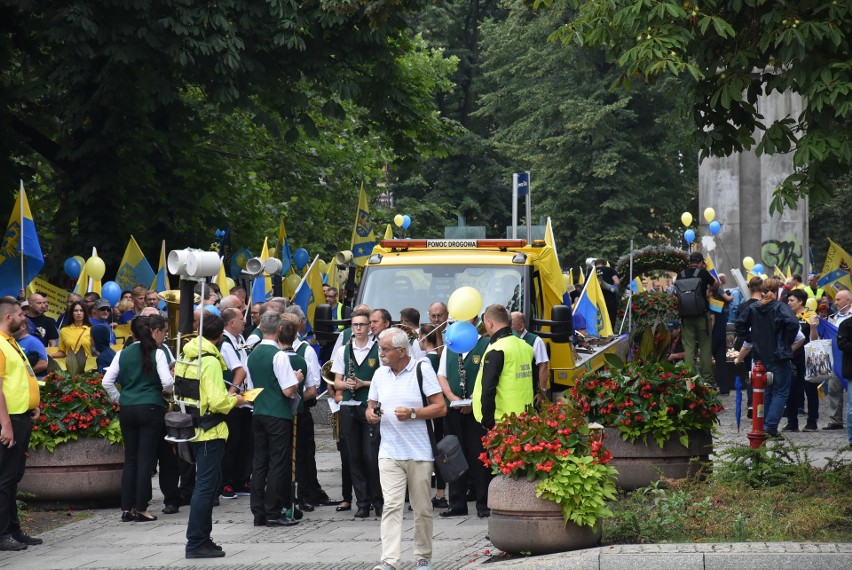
[[75, 335]]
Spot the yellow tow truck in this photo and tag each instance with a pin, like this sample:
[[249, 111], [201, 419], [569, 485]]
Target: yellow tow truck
[[418, 272]]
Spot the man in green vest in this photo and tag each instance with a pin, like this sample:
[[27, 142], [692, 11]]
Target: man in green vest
[[272, 423], [542, 360], [19, 397], [353, 366], [504, 384], [457, 375]]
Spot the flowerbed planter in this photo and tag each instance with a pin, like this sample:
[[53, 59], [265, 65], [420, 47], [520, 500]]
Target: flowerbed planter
[[641, 464], [521, 522], [87, 469]]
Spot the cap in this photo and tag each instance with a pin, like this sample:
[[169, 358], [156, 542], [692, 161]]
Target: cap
[[696, 257], [25, 304], [101, 304]]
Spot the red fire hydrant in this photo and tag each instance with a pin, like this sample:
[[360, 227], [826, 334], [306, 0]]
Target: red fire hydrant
[[756, 437]]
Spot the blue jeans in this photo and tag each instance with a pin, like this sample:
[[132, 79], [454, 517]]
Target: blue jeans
[[849, 416], [208, 478], [775, 395]]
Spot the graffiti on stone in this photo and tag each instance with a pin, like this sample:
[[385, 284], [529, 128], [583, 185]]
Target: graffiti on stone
[[782, 253]]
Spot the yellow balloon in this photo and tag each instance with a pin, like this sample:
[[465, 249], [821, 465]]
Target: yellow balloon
[[230, 284], [290, 283], [397, 219], [686, 219], [748, 263], [464, 303], [764, 276], [709, 214], [80, 260], [95, 268], [811, 304], [322, 266]]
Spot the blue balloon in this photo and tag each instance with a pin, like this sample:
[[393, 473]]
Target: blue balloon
[[461, 337], [72, 268], [406, 221], [111, 291], [715, 227], [689, 236], [300, 258], [757, 269]]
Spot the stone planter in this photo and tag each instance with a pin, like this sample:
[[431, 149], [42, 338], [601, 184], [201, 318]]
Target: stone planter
[[521, 522], [87, 469], [639, 464]]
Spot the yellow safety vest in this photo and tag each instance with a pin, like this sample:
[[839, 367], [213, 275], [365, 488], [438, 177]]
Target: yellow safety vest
[[515, 386], [818, 295], [20, 387]]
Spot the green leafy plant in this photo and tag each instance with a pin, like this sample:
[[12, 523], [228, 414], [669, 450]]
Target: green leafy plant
[[649, 259], [556, 447], [656, 399], [74, 407]]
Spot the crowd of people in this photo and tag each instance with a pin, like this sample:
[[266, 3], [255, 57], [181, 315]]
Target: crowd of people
[[383, 383]]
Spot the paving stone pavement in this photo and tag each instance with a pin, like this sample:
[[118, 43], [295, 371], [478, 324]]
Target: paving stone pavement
[[328, 540]]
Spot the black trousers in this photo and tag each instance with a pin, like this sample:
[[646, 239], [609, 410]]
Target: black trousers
[[345, 473], [239, 450], [169, 474], [362, 443], [13, 462], [470, 433], [306, 460], [273, 470], [141, 428]]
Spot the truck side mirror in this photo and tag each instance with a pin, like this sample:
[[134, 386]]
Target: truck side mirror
[[561, 332]]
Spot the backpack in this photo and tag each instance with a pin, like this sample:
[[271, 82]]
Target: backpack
[[691, 294]]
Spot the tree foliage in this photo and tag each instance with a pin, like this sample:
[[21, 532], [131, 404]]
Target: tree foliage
[[726, 55], [169, 119]]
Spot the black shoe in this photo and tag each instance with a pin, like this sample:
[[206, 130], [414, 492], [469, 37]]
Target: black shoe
[[327, 503], [305, 506], [469, 496], [170, 509], [9, 544], [128, 516], [379, 511], [454, 513], [259, 520], [810, 427], [484, 514], [362, 512], [205, 551], [773, 433], [440, 502], [24, 538], [213, 545], [788, 427], [281, 521], [833, 426], [139, 517], [341, 508]]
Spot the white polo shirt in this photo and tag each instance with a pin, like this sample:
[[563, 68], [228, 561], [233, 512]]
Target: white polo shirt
[[406, 440], [341, 357]]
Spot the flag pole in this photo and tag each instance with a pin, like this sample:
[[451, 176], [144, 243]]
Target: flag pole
[[21, 235]]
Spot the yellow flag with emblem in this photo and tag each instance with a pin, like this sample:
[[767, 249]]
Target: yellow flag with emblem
[[363, 238]]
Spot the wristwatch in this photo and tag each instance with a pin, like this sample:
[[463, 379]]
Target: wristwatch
[[413, 414]]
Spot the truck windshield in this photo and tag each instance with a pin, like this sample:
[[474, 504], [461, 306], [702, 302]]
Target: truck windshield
[[395, 288]]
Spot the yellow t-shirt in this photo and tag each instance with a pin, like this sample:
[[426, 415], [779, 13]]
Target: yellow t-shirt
[[72, 337]]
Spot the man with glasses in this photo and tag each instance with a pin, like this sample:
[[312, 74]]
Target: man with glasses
[[843, 304], [100, 315], [353, 366]]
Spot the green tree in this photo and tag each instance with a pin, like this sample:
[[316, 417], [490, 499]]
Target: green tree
[[726, 54], [606, 166], [117, 110]]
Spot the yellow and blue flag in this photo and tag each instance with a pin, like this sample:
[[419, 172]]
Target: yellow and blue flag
[[161, 280], [309, 293], [593, 308], [553, 284], [221, 278], [636, 285], [85, 282], [389, 232], [363, 238], [284, 247], [20, 253], [711, 269], [837, 270], [134, 268], [261, 290]]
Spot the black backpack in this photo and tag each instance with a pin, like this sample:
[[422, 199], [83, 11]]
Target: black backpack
[[691, 294]]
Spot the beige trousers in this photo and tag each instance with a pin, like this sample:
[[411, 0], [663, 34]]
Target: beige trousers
[[395, 476]]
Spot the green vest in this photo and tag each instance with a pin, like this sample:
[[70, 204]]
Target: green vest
[[818, 295], [337, 314], [434, 360], [20, 388], [529, 338], [471, 367], [363, 371], [138, 388], [272, 401], [514, 387], [298, 362]]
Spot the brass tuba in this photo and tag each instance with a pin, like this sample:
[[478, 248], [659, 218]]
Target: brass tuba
[[326, 373]]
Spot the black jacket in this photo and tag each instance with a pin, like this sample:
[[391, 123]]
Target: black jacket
[[844, 343], [771, 329]]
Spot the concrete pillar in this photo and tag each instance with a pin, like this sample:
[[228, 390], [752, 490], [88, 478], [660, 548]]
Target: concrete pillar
[[739, 187]]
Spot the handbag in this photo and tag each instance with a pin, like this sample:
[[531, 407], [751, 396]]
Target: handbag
[[449, 458], [819, 361]]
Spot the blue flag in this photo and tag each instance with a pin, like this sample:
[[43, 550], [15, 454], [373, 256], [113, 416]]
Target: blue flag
[[20, 253], [828, 331], [593, 308]]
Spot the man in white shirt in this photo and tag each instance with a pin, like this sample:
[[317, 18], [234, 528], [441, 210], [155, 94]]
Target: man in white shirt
[[542, 361], [405, 454], [236, 466]]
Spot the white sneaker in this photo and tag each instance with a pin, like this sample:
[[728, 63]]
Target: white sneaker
[[384, 566], [423, 564]]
